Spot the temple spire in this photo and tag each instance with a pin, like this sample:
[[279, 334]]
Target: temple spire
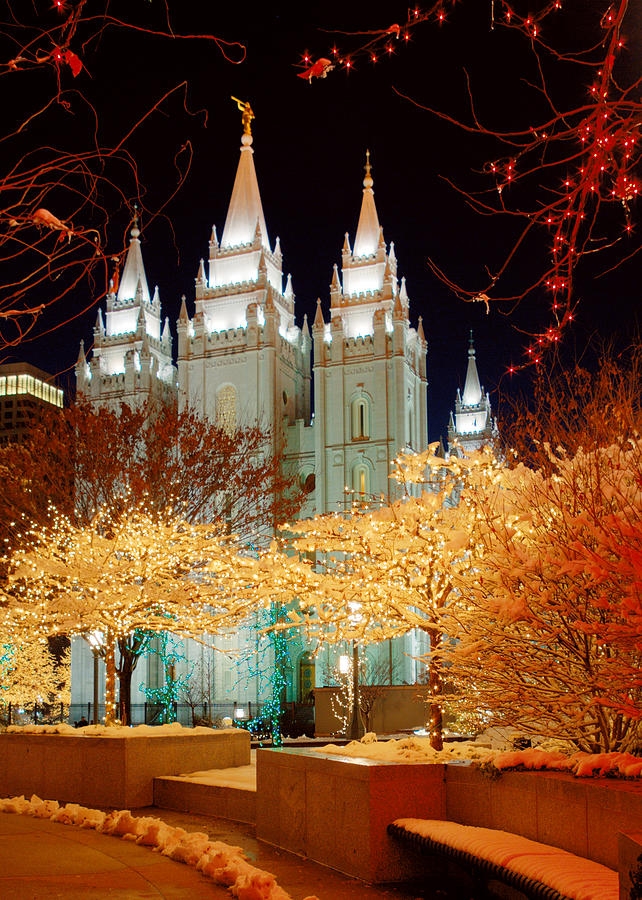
[[245, 212], [133, 278], [472, 388], [368, 230], [318, 318]]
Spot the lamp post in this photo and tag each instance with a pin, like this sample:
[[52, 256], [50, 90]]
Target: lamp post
[[95, 641]]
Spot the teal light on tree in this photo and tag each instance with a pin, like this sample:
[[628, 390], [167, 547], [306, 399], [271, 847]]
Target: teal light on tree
[[170, 651], [270, 665]]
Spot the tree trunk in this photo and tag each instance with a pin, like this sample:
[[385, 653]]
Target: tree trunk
[[110, 678], [130, 648], [436, 717]]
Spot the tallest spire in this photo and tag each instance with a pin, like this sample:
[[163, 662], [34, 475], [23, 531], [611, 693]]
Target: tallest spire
[[133, 281], [245, 211], [472, 388], [367, 238]]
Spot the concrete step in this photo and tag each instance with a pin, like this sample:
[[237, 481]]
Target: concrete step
[[190, 795]]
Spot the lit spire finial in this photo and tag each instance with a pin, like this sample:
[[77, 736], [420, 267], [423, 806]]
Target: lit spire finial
[[135, 231], [367, 181], [471, 345], [247, 115]]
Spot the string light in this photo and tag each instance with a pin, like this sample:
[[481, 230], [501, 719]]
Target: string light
[[131, 568]]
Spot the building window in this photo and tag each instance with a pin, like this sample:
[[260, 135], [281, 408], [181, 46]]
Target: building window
[[308, 482], [361, 479], [360, 419], [226, 409]]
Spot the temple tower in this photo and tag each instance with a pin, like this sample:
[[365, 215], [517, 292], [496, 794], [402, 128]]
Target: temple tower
[[472, 425], [241, 358], [132, 359], [369, 369]]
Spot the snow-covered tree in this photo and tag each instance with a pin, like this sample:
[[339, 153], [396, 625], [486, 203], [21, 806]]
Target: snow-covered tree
[[550, 638], [30, 673], [381, 572], [132, 569]]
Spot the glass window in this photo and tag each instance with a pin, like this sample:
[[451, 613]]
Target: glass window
[[11, 384], [361, 479], [360, 419]]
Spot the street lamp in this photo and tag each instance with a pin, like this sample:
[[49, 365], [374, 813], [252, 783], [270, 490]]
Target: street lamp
[[95, 641]]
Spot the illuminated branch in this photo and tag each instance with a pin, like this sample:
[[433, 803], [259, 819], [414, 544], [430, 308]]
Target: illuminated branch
[[565, 174], [56, 204]]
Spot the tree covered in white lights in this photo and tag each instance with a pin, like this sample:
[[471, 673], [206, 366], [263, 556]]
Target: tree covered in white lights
[[30, 673], [131, 569], [370, 574]]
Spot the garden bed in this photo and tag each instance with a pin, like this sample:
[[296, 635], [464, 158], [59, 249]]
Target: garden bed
[[112, 767]]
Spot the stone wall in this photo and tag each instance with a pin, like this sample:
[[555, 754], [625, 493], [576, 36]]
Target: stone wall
[[110, 771]]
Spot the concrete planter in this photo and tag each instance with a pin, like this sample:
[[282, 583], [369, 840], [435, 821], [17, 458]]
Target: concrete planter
[[581, 815], [111, 771], [335, 809]]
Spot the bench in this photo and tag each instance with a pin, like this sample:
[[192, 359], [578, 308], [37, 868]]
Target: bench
[[539, 871]]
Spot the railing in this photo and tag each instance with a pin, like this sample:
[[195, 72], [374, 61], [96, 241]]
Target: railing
[[297, 718], [156, 713]]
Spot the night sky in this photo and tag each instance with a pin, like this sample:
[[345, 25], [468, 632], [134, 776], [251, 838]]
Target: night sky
[[310, 142]]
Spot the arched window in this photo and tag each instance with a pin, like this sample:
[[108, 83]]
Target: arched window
[[307, 481], [361, 479], [360, 419], [226, 409]]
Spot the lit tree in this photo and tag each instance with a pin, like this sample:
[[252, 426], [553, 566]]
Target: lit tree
[[382, 572], [170, 651], [84, 457], [30, 673], [548, 640], [372, 687], [131, 569], [551, 642]]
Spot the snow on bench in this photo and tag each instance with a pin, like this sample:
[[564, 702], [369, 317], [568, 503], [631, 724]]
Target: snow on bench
[[538, 869]]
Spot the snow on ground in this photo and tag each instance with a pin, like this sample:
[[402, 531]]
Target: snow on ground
[[223, 863], [243, 778], [570, 875]]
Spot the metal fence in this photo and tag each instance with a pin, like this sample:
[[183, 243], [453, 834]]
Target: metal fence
[[297, 718], [156, 713]]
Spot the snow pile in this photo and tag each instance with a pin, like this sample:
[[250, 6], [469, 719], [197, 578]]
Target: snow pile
[[411, 749], [172, 728], [415, 749], [579, 764], [62, 728], [570, 875], [221, 862], [242, 778]]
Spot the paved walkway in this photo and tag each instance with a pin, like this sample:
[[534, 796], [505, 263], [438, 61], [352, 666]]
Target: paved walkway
[[42, 859]]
